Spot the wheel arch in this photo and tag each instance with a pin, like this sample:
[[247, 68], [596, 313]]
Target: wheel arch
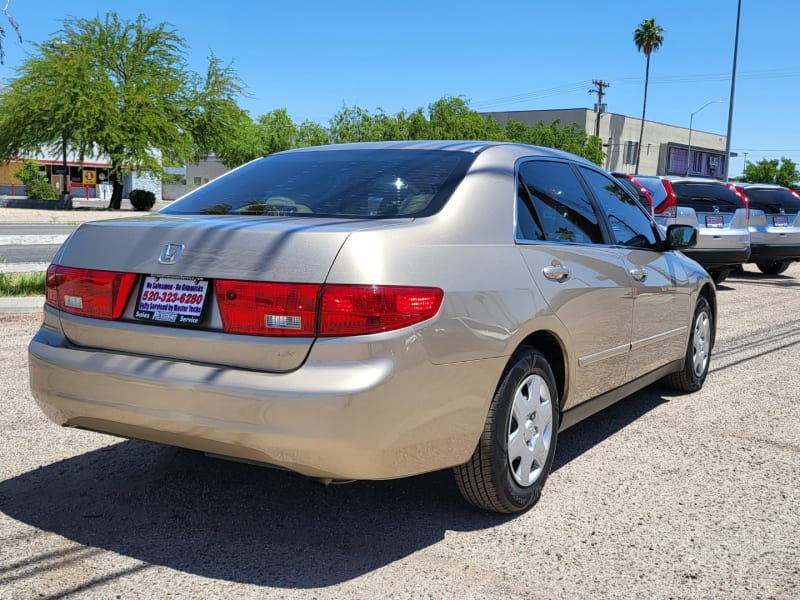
[[709, 293], [552, 347]]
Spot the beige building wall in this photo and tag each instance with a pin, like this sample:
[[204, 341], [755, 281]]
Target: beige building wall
[[664, 147]]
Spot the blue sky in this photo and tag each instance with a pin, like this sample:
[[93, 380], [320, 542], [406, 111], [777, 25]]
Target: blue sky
[[312, 57]]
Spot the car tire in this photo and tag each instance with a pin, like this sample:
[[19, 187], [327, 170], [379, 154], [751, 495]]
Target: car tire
[[515, 452], [719, 275], [773, 267], [698, 352]]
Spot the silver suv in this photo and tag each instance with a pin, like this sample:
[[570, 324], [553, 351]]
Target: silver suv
[[774, 226], [716, 209]]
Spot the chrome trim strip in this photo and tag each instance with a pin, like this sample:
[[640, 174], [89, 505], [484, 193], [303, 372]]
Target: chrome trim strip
[[659, 337], [598, 356]]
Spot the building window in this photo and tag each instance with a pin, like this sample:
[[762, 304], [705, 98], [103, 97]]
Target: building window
[[198, 181]]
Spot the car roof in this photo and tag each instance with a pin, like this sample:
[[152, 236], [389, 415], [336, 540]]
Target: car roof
[[477, 147], [766, 186]]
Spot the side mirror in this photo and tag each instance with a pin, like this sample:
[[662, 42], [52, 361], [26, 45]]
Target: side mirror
[[681, 236]]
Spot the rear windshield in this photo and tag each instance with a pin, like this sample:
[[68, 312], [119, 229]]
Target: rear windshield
[[704, 197], [374, 183], [655, 187], [772, 201]]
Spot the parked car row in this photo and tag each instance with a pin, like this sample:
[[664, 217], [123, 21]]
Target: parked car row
[[379, 310], [749, 222]]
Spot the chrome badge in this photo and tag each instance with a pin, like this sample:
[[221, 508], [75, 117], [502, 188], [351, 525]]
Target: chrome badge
[[170, 254]]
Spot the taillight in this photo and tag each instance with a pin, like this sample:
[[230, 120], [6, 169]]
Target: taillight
[[291, 309], [261, 308], [87, 292], [669, 206], [739, 191], [644, 191], [359, 309]]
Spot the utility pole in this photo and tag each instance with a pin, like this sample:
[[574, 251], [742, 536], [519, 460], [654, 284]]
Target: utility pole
[[600, 91]]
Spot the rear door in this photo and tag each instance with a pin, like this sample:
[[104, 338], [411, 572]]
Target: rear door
[[584, 281], [659, 283]]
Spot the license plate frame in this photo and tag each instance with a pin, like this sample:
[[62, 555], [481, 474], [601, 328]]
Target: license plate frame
[[780, 221], [170, 300], [715, 221]]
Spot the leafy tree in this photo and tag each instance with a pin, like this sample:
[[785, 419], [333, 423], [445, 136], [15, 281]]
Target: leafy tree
[[648, 39], [33, 177], [452, 119], [121, 89], [571, 138], [310, 133], [783, 172]]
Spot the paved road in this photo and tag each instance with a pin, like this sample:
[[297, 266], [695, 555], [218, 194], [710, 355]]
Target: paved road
[[660, 496]]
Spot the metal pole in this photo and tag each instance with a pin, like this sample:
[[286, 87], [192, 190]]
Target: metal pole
[[733, 88], [691, 117], [689, 155]]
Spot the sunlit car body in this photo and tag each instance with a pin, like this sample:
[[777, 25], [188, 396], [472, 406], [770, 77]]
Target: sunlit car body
[[774, 226], [375, 311]]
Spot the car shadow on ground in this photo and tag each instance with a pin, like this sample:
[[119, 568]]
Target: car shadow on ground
[[243, 523]]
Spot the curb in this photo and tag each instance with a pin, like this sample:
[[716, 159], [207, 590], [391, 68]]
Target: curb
[[23, 305]]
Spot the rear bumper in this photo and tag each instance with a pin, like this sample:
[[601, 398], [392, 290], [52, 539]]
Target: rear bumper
[[716, 258], [332, 419], [774, 252]]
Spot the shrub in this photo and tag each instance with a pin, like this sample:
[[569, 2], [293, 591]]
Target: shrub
[[34, 179], [142, 199]]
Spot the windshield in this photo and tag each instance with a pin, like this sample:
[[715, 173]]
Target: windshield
[[364, 183]]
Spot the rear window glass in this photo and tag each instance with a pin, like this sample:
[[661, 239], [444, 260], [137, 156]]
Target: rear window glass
[[655, 187], [703, 197], [375, 183], [772, 201]]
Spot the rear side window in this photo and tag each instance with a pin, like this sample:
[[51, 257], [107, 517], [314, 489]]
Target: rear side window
[[562, 207], [706, 197], [773, 201], [375, 183]]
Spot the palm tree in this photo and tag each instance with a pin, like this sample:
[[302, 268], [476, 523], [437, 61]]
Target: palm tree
[[648, 38]]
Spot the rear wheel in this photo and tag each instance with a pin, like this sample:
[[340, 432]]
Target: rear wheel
[[773, 267], [515, 453], [698, 353], [719, 275]]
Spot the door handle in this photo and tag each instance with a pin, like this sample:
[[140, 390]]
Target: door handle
[[557, 273], [639, 274]]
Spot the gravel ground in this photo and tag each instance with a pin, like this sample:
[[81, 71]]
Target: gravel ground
[[661, 496]]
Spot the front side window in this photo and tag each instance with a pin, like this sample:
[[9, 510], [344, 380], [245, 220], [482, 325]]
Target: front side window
[[630, 225], [560, 202], [364, 183]]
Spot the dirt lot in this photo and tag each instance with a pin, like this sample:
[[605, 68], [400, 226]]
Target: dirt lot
[[660, 496]]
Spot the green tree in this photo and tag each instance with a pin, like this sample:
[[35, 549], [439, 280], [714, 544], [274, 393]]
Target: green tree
[[572, 138], [121, 89], [451, 119], [783, 172], [648, 38], [33, 177]]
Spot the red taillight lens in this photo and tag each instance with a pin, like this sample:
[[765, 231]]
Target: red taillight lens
[[359, 309], [294, 309], [669, 206], [89, 293], [739, 191], [263, 308]]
